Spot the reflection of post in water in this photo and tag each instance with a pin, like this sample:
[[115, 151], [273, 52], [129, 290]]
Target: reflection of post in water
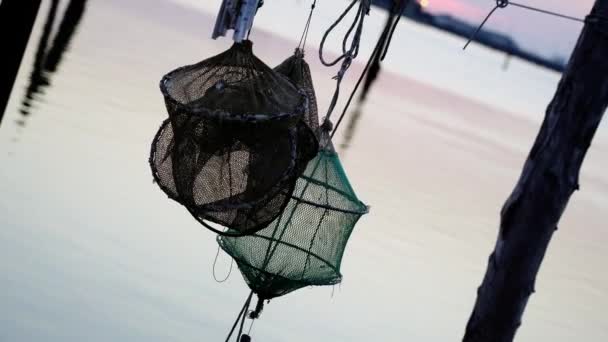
[[37, 78], [71, 19], [373, 67], [351, 128], [48, 59], [17, 19]]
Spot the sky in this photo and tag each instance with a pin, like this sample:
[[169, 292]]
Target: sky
[[545, 34]]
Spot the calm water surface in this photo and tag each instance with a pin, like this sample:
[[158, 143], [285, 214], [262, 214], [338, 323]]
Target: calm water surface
[[92, 250]]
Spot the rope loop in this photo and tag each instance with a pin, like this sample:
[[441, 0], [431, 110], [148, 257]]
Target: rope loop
[[330, 29], [217, 280], [350, 50]]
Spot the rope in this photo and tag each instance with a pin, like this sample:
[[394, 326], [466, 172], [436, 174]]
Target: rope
[[242, 313], [540, 10], [354, 44], [250, 327], [381, 50], [348, 54], [238, 337], [215, 262], [302, 44], [505, 4], [401, 10], [346, 58], [327, 124], [386, 38]]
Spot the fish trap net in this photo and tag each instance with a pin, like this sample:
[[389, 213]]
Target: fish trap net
[[305, 244], [235, 143]]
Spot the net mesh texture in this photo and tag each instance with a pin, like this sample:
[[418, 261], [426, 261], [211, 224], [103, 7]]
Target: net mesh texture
[[235, 142], [304, 246], [298, 71]]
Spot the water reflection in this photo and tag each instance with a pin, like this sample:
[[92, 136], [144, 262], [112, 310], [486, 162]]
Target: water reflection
[[351, 128], [47, 59], [373, 69]]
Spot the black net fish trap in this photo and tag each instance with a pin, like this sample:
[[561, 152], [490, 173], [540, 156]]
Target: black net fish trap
[[304, 246], [298, 71], [235, 144]]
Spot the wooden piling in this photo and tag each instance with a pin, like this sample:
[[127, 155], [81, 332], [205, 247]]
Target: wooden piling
[[550, 176]]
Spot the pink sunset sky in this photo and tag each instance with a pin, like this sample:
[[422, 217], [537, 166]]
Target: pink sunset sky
[[545, 34]]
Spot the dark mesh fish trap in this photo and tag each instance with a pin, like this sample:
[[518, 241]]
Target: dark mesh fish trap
[[303, 246], [235, 143], [298, 71]]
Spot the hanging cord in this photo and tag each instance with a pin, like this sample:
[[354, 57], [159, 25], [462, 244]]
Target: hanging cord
[[357, 22], [250, 327], [400, 10], [242, 313], [371, 75], [271, 249], [215, 262], [505, 3], [380, 51], [238, 337], [348, 54], [304, 38], [385, 40]]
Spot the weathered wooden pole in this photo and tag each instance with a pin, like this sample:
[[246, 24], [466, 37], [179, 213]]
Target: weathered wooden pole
[[17, 19], [550, 176]]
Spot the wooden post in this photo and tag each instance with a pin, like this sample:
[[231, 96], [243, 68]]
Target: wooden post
[[17, 19], [550, 176]]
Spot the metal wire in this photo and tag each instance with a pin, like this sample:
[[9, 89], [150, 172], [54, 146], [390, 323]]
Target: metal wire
[[505, 4], [540, 10]]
